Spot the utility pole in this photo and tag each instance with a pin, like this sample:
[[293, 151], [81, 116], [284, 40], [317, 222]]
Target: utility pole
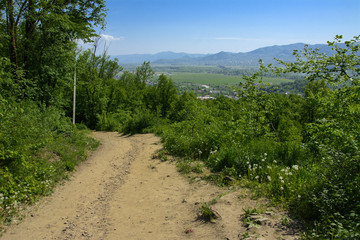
[[74, 97]]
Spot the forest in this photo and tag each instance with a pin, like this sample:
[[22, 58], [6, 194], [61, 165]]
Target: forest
[[300, 151]]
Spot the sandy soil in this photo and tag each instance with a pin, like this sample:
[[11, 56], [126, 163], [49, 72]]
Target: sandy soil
[[121, 192]]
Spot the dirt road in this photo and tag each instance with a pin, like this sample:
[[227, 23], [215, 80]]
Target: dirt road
[[122, 193]]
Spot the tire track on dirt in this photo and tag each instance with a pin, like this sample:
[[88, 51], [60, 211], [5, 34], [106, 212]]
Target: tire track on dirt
[[121, 192], [92, 221]]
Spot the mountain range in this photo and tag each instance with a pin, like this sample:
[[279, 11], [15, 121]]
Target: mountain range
[[267, 54]]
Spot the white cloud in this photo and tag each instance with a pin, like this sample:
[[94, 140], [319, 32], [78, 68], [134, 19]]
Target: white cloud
[[109, 38]]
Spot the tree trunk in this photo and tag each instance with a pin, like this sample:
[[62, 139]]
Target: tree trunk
[[30, 24], [12, 32]]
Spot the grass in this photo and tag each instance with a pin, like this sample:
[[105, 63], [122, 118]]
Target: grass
[[188, 166]]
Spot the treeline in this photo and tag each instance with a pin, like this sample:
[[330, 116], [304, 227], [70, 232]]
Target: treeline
[[295, 87]]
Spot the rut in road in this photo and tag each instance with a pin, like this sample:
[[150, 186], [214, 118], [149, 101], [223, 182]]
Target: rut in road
[[120, 192]]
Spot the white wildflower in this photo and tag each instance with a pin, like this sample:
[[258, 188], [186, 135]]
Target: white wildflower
[[281, 188], [269, 178], [295, 167]]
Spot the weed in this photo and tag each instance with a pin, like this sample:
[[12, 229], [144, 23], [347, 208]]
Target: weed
[[184, 166], [216, 199], [207, 213], [188, 166], [246, 235], [248, 216], [251, 211], [286, 221], [163, 155]]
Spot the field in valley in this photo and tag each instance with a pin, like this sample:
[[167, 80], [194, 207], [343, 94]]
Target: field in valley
[[216, 79]]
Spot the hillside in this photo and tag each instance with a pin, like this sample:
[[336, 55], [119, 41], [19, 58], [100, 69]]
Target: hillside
[[267, 54]]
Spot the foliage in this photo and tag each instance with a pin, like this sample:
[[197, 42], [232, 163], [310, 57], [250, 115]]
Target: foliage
[[188, 166], [302, 152], [139, 122], [95, 86], [38, 143], [37, 147], [206, 212], [39, 38]]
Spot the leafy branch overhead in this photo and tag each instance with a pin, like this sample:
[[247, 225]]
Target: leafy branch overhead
[[339, 68], [40, 38]]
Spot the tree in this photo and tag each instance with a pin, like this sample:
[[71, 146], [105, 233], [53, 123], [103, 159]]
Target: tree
[[143, 73], [331, 114], [98, 93], [167, 93], [40, 38]]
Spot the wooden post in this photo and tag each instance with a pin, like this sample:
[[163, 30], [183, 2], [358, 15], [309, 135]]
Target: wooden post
[[74, 97]]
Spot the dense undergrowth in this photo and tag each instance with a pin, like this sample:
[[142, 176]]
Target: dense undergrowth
[[300, 152], [39, 146]]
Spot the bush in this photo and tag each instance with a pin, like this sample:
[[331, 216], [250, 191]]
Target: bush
[[38, 145], [139, 122], [112, 121]]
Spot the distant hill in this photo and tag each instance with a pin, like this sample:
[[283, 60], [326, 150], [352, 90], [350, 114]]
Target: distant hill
[[267, 54], [140, 58]]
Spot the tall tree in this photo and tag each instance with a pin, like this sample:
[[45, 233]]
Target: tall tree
[[40, 38]]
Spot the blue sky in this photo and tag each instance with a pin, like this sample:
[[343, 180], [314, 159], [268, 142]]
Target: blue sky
[[211, 26]]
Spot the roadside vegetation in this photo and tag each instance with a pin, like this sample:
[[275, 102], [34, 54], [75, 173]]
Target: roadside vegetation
[[301, 151], [39, 146]]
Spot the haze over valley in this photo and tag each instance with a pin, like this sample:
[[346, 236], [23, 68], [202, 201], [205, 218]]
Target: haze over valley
[[241, 59]]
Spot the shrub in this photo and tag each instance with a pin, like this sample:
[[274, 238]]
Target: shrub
[[139, 122], [112, 121], [38, 145]]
